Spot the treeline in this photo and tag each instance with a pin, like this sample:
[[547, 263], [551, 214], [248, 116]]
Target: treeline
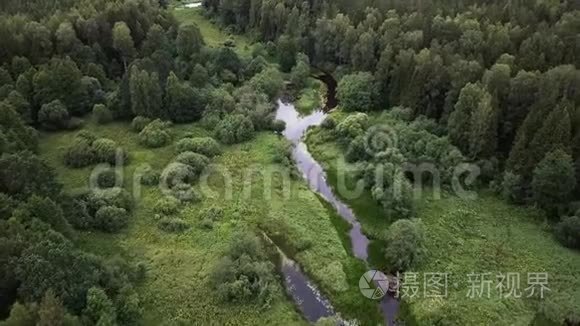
[[500, 78]]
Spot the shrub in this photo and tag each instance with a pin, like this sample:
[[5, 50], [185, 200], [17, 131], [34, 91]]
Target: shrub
[[139, 123], [405, 242], [278, 126], [282, 153], [196, 162], [568, 232], [172, 225], [512, 188], [203, 145], [329, 123], [177, 173], [245, 274], [111, 219], [102, 114], [185, 193], [167, 206], [155, 134], [75, 123], [150, 177], [107, 178], [79, 154], [353, 126], [87, 135], [109, 197], [234, 129], [53, 116], [214, 213], [269, 82], [105, 150]]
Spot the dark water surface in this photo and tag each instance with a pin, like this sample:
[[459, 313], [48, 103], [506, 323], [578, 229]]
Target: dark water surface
[[313, 173]]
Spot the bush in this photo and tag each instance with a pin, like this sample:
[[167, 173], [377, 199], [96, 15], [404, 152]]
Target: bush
[[568, 232], [353, 126], [405, 242], [234, 129], [203, 145], [167, 206], [109, 197], [282, 153], [111, 219], [102, 114], [177, 173], [196, 162], [269, 82], [105, 151], [107, 178], [172, 225], [185, 193], [278, 126], [79, 154], [214, 213], [155, 134], [139, 123], [87, 135], [245, 274], [53, 116], [150, 177], [329, 123]]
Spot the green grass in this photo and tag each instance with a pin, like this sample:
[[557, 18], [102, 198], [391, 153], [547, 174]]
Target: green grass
[[471, 236], [212, 34], [177, 288]]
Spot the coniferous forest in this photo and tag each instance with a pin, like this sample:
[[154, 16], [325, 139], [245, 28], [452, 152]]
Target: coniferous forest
[[172, 163]]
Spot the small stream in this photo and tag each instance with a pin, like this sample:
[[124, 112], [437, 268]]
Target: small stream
[[313, 173]]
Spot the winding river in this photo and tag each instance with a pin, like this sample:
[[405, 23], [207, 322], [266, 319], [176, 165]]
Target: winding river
[[308, 298]]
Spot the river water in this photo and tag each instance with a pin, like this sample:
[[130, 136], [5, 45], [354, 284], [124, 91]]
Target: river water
[[313, 173]]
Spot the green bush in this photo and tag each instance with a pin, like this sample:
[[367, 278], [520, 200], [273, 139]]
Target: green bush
[[53, 116], [282, 153], [167, 206], [185, 193], [150, 177], [177, 173], [202, 145], [234, 129], [329, 123], [105, 150], [568, 232], [155, 134], [139, 123], [109, 197], [107, 178], [245, 274], [172, 225], [111, 219], [405, 241], [79, 154], [102, 114], [353, 126], [278, 126], [196, 162]]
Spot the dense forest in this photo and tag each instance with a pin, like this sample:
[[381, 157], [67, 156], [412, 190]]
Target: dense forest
[[492, 83]]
